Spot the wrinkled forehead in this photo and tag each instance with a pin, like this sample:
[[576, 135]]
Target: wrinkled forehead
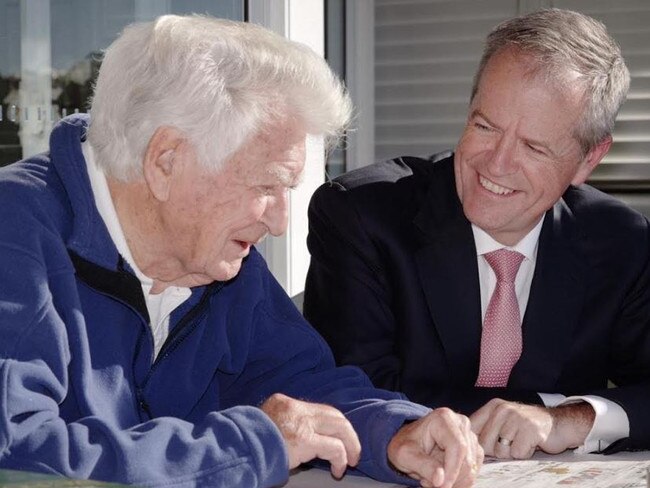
[[511, 68], [272, 157]]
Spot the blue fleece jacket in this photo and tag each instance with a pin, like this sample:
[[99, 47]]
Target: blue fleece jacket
[[80, 392]]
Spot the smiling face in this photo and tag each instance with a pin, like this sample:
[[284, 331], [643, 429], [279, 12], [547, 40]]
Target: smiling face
[[210, 220], [518, 153]]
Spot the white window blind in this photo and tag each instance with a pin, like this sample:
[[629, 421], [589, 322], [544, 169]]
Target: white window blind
[[628, 174], [426, 53]]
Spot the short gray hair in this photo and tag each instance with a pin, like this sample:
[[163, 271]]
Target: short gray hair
[[220, 82], [563, 42]]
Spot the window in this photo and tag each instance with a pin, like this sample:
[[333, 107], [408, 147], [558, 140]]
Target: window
[[49, 56]]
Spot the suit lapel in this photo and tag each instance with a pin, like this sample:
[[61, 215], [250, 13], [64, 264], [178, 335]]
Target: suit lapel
[[448, 271], [556, 298], [446, 261]]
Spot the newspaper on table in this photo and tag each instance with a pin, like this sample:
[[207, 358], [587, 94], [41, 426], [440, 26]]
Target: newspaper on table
[[544, 473]]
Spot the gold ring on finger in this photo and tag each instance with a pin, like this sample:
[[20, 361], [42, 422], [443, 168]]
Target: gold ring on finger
[[504, 442]]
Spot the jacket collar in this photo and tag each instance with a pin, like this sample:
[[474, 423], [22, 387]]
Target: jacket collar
[[89, 238]]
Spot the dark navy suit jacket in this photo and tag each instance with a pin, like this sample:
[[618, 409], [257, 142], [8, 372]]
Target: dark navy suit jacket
[[393, 287]]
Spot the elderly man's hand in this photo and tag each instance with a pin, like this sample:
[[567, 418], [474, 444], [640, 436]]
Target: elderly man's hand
[[438, 450], [312, 430], [514, 430]]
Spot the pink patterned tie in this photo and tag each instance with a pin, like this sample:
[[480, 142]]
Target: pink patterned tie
[[501, 338]]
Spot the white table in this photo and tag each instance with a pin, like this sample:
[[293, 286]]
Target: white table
[[535, 473]]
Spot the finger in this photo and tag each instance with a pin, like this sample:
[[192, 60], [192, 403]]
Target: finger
[[476, 451], [502, 447], [484, 414], [438, 479], [480, 417], [470, 470], [502, 434], [491, 431], [523, 434], [453, 432], [469, 463], [466, 480], [475, 454], [330, 449], [524, 444], [340, 427], [489, 440], [521, 451], [426, 468], [480, 457]]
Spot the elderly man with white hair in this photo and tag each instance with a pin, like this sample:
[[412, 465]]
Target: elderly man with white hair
[[142, 338]]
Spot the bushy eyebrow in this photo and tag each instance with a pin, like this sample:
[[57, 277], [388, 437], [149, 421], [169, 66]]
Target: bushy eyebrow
[[285, 177], [477, 113]]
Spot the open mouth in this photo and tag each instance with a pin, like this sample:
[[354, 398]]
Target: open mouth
[[245, 245], [493, 187]]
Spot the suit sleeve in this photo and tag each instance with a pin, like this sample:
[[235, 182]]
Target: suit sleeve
[[630, 354], [347, 294]]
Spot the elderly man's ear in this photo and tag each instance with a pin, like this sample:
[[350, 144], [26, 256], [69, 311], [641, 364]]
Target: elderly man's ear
[[163, 161]]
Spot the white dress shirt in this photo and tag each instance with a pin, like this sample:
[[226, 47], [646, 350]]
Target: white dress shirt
[[160, 305], [611, 422]]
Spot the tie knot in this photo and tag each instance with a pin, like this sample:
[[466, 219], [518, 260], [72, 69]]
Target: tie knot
[[505, 263]]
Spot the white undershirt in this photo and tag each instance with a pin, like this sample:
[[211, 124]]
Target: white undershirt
[[611, 422], [160, 305]]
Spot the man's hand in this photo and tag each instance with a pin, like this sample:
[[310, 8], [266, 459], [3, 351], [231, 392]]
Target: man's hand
[[514, 430], [437, 450], [312, 430]]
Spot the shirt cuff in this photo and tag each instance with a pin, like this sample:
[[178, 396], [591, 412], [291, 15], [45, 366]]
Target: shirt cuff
[[552, 399], [610, 424]]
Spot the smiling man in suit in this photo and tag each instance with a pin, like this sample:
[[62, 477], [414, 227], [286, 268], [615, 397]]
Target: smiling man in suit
[[494, 280]]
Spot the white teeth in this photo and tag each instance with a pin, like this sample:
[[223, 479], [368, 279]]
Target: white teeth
[[493, 187]]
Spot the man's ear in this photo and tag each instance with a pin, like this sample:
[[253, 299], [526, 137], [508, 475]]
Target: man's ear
[[591, 160], [159, 163]]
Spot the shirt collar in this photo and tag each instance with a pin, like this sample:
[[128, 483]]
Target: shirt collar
[[526, 246], [107, 211]]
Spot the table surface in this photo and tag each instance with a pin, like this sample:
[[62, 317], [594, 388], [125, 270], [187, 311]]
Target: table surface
[[23, 479], [529, 474], [316, 478]]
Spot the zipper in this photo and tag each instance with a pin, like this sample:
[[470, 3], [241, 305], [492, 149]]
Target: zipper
[[171, 343], [89, 273]]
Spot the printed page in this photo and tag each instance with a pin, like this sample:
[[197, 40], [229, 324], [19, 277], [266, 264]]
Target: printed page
[[542, 474]]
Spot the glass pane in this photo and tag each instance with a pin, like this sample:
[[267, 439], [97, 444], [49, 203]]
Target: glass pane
[[335, 56], [50, 51], [9, 78]]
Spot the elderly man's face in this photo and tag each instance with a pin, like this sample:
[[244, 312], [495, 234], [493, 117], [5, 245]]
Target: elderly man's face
[[214, 218], [518, 153]]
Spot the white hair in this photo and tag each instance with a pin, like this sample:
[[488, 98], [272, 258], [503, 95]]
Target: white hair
[[563, 42], [218, 81]]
